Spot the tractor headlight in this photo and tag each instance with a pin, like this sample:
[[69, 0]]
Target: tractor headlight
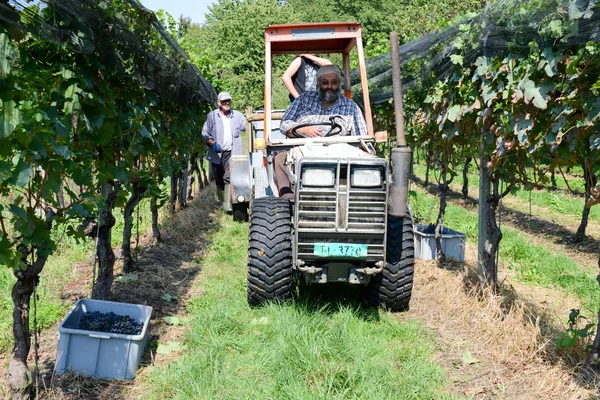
[[318, 177], [365, 177]]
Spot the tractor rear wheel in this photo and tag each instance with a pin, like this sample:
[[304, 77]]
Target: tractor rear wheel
[[270, 251]]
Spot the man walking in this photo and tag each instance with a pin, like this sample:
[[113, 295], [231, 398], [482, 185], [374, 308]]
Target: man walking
[[221, 132]]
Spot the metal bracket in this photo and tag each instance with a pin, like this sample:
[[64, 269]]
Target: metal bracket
[[372, 271], [289, 162]]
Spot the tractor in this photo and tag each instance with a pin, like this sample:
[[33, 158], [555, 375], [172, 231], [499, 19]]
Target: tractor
[[349, 220]]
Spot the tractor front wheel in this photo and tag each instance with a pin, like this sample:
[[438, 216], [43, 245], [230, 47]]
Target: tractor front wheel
[[270, 251], [392, 288]]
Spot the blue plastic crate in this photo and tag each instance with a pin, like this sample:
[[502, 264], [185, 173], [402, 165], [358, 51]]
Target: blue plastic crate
[[101, 354], [453, 244]]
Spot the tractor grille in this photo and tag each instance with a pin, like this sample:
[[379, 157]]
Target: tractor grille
[[317, 209], [341, 214], [366, 210]]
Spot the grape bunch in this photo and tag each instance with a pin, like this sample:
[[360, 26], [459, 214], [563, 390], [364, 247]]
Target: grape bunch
[[428, 230], [109, 322]]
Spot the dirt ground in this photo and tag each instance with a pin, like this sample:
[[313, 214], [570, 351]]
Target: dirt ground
[[493, 346]]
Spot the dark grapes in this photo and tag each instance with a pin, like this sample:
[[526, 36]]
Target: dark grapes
[[428, 230], [110, 322]]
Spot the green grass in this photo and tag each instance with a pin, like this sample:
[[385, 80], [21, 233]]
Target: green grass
[[534, 264], [574, 177], [302, 349], [559, 203]]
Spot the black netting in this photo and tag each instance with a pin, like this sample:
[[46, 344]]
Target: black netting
[[128, 38], [501, 27]]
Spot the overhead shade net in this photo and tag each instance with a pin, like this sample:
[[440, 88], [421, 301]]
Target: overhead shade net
[[128, 38], [501, 27]]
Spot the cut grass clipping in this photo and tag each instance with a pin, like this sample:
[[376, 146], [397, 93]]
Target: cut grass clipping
[[302, 349]]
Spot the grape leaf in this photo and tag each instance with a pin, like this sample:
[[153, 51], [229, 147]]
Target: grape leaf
[[145, 133], [456, 59], [468, 358], [595, 142], [533, 93], [453, 112], [521, 129], [10, 117], [173, 320], [127, 278], [23, 174], [63, 151], [167, 297], [169, 348]]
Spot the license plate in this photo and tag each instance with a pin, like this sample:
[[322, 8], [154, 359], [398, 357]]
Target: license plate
[[340, 250]]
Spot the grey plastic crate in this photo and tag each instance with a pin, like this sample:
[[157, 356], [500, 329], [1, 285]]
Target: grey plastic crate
[[453, 244], [101, 354]]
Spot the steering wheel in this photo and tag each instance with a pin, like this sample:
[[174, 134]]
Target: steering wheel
[[334, 127]]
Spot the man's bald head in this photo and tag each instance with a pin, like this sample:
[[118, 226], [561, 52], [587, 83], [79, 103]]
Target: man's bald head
[[329, 69]]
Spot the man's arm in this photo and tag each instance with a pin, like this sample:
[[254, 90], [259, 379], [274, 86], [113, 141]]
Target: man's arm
[[360, 125], [289, 118], [241, 121], [207, 130], [289, 73]]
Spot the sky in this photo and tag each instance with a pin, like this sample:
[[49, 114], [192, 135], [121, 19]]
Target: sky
[[189, 8]]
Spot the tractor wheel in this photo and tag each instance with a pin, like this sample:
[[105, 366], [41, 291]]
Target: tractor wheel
[[270, 251], [240, 212], [392, 287]]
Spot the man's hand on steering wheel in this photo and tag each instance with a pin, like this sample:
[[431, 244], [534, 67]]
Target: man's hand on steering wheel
[[309, 131]]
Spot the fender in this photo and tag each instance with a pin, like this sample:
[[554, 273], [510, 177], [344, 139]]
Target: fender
[[240, 177]]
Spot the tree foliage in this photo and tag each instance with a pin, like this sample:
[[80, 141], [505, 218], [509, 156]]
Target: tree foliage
[[232, 37]]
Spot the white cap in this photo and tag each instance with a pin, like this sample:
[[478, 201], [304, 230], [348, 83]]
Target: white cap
[[329, 69], [224, 96]]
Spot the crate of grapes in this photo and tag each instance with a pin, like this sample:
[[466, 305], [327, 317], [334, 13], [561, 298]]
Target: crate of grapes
[[104, 339], [453, 243]]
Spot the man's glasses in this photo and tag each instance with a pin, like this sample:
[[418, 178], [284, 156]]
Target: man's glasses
[[334, 82], [225, 101]]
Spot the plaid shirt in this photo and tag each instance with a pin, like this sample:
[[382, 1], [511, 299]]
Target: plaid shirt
[[308, 107]]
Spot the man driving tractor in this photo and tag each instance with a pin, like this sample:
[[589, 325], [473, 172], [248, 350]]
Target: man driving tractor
[[325, 105]]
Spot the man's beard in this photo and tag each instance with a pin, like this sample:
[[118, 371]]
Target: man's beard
[[329, 95]]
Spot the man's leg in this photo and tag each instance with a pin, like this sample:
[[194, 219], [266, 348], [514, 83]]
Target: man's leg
[[225, 157], [282, 178], [217, 170]]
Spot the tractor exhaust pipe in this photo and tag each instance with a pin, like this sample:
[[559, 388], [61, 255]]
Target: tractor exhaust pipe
[[401, 155]]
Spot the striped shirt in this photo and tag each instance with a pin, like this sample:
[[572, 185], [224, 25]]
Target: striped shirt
[[308, 107]]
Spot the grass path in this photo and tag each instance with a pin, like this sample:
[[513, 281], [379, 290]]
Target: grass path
[[451, 344], [312, 348]]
